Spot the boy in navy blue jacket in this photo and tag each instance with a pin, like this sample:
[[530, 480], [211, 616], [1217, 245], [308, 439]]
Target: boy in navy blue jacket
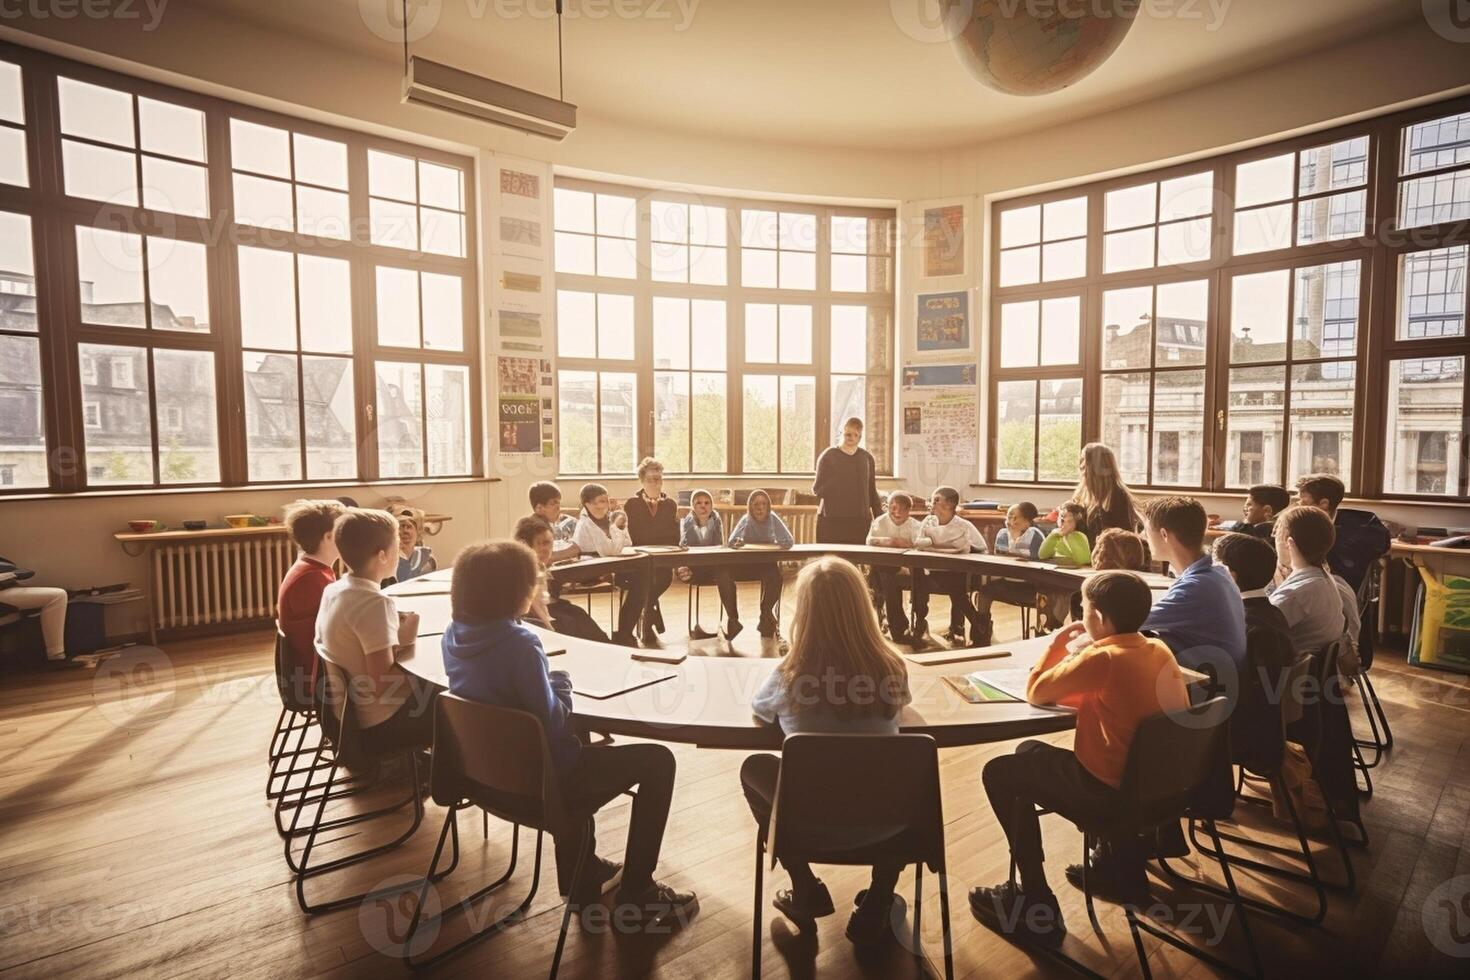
[[491, 657]]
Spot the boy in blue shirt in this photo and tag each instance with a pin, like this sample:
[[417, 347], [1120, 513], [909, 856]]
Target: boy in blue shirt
[[491, 657], [1201, 617]]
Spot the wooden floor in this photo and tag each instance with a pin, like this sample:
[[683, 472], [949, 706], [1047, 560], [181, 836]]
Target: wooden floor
[[135, 841]]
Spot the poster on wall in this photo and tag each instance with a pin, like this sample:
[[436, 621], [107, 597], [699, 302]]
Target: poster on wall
[[941, 414], [943, 321], [944, 241], [524, 417]]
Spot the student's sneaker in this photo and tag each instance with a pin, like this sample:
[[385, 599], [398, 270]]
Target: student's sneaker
[[806, 911], [871, 923], [900, 636], [626, 639], [1005, 909], [766, 628], [700, 633], [921, 629], [656, 908], [953, 637], [982, 632], [732, 630]]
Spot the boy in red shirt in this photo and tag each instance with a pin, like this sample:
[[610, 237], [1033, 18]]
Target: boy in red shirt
[[310, 525], [1116, 681]]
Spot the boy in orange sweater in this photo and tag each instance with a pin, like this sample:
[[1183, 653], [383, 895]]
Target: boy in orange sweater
[[1116, 681]]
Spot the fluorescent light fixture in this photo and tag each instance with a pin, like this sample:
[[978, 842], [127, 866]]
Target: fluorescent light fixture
[[432, 84]]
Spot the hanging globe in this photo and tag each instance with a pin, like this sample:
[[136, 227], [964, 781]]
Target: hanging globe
[[1025, 47]]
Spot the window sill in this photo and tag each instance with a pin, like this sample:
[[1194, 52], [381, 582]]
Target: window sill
[[311, 488]]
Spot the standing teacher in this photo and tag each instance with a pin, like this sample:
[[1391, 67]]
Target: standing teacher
[[846, 487]]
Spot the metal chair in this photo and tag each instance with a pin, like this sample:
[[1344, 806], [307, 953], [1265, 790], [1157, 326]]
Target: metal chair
[[1168, 761], [497, 759], [342, 741], [1267, 763], [826, 784], [297, 717], [1382, 735]]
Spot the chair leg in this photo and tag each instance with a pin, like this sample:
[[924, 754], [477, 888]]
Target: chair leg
[[307, 871], [566, 912], [1378, 710], [1138, 942], [944, 921], [468, 902], [1087, 881], [760, 885], [1240, 914], [918, 908]]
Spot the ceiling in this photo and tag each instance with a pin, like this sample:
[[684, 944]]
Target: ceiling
[[830, 72]]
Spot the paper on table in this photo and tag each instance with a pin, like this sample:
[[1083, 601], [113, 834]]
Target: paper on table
[[936, 658], [618, 678], [658, 549], [762, 547], [1013, 682]]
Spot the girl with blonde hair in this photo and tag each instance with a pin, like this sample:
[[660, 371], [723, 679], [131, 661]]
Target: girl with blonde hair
[[841, 676]]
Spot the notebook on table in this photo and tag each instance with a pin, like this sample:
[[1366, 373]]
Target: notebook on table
[[938, 658], [976, 690], [615, 679]]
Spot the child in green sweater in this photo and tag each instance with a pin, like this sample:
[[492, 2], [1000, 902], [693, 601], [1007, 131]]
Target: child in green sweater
[[1068, 544]]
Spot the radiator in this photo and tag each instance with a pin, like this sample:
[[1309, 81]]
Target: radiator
[[219, 581], [801, 522]]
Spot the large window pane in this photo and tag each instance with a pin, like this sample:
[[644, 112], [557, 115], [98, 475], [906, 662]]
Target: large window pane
[[1125, 422], [796, 334], [180, 188], [1425, 426], [576, 324], [759, 411], [1258, 316], [1127, 327], [619, 422], [1061, 330], [1183, 310], [443, 312], [798, 424], [448, 398], [14, 168], [1059, 427], [1436, 143], [331, 428], [17, 273], [178, 285], [1432, 294], [110, 274], [1015, 421], [1020, 332], [1325, 321], [398, 307], [1253, 436], [267, 298], [577, 421], [188, 423], [1178, 436], [709, 402], [670, 332], [615, 326], [1433, 200], [1321, 420], [119, 447], [272, 416], [671, 417], [326, 304], [22, 413], [400, 419], [94, 112]]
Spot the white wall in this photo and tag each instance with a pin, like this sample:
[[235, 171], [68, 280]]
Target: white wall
[[195, 47]]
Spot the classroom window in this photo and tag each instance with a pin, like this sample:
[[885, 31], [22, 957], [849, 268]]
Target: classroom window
[[416, 204], [1309, 343], [748, 332], [1435, 160], [1314, 195], [1044, 242], [1425, 435], [130, 150], [204, 359]]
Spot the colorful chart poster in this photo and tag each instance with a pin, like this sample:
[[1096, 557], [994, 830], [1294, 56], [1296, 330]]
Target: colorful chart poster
[[944, 241], [941, 420], [524, 417], [943, 321]]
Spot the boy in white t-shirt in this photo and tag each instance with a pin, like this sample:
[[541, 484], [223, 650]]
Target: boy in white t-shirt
[[359, 629], [1319, 607], [945, 530], [894, 529]]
